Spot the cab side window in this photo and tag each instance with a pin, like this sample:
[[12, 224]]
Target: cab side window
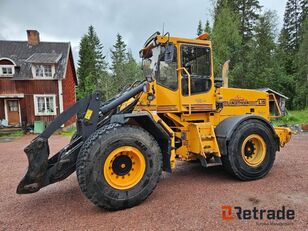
[[197, 61]]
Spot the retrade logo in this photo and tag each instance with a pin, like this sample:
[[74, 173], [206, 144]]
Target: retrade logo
[[227, 212]]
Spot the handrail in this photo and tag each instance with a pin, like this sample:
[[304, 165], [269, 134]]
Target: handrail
[[189, 85], [189, 79]]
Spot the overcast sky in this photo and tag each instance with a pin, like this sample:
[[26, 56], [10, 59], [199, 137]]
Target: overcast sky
[[135, 20]]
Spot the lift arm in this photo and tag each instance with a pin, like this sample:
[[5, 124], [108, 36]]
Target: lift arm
[[91, 115]]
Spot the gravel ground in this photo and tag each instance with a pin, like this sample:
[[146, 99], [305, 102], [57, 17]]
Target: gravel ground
[[188, 199]]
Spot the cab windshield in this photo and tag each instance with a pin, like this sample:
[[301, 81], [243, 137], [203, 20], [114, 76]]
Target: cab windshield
[[150, 62], [160, 64]]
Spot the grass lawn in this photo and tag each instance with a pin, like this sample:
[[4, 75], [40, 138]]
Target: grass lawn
[[14, 134], [69, 131], [293, 117]]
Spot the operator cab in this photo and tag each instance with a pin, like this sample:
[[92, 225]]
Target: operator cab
[[182, 69]]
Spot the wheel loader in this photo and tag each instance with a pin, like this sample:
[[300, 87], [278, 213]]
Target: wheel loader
[[179, 112]]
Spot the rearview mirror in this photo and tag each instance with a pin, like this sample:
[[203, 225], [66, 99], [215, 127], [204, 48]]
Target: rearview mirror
[[218, 82]]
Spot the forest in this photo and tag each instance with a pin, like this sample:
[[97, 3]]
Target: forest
[[241, 31]]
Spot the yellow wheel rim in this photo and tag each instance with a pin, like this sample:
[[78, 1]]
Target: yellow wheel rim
[[124, 167], [253, 150]]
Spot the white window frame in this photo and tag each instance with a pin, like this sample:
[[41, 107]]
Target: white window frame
[[37, 113], [35, 66], [7, 66]]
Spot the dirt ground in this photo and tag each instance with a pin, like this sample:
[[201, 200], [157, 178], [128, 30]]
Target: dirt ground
[[188, 199]]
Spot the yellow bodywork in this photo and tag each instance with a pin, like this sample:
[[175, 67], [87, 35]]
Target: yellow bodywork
[[195, 116]]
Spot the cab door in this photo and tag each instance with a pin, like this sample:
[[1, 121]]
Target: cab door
[[167, 90], [196, 78]]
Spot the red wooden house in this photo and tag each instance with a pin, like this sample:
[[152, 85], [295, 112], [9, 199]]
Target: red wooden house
[[37, 80]]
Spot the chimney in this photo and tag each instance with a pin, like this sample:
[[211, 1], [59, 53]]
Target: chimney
[[33, 37]]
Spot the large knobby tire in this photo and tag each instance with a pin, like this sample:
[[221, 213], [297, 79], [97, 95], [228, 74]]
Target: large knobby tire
[[251, 151], [119, 166]]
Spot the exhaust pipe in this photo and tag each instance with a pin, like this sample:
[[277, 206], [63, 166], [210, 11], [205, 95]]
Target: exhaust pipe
[[225, 73]]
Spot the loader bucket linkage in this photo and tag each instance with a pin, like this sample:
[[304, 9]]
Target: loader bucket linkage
[[91, 115]]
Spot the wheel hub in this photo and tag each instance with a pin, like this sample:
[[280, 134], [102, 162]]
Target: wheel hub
[[249, 149], [124, 167], [253, 150]]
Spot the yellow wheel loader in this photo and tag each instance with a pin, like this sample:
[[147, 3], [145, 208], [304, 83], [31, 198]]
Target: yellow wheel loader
[[179, 112]]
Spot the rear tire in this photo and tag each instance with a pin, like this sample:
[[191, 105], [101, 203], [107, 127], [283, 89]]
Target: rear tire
[[251, 151], [119, 166]]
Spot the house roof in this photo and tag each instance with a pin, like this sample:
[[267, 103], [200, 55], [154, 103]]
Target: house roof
[[24, 55], [272, 91], [44, 58]]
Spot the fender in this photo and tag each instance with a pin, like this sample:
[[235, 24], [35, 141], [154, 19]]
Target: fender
[[146, 121], [225, 129]]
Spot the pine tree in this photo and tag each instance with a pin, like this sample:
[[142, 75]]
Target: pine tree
[[302, 18], [247, 13], [284, 81], [291, 24], [119, 60], [301, 77], [85, 64], [290, 43], [226, 40], [133, 71], [208, 28], [263, 62], [199, 29], [97, 47], [290, 35], [91, 64]]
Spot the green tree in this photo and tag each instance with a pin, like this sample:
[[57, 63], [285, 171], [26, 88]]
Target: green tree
[[290, 35], [91, 63], [291, 24], [124, 67], [208, 28], [263, 62], [84, 65], [303, 15], [119, 60], [226, 40], [133, 71], [246, 12], [292, 57], [283, 82], [199, 28], [301, 77]]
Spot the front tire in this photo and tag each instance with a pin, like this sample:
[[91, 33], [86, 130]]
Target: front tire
[[119, 166], [251, 151]]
